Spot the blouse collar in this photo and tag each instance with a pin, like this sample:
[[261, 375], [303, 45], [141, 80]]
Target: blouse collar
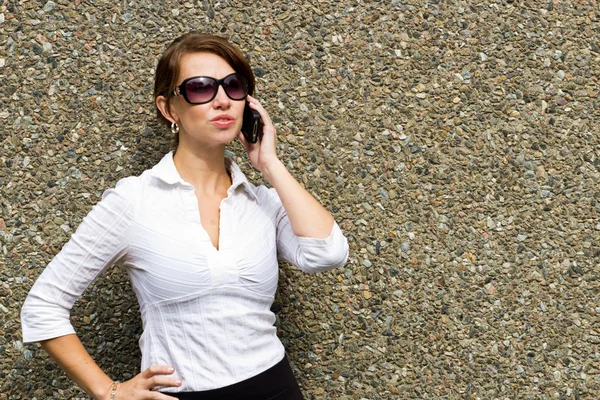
[[166, 171]]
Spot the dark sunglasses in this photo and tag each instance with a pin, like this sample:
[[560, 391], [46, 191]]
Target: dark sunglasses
[[202, 89]]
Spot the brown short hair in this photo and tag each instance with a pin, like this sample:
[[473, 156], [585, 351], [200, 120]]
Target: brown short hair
[[167, 70]]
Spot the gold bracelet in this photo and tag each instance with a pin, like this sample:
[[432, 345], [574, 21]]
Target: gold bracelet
[[113, 390]]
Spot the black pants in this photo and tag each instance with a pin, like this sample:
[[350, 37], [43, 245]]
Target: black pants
[[276, 383]]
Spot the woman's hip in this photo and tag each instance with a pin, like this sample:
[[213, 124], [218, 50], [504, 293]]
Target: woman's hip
[[276, 383]]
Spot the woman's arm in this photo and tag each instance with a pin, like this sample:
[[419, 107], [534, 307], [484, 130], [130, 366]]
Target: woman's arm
[[71, 356], [307, 235], [100, 240], [307, 216]]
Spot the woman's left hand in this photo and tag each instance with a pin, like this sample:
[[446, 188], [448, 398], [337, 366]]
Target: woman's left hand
[[264, 151]]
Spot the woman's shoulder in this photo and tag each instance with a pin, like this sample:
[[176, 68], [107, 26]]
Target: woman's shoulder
[[128, 189], [259, 192], [130, 184], [266, 195], [136, 183]]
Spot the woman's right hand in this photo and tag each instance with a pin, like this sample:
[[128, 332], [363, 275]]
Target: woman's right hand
[[140, 386]]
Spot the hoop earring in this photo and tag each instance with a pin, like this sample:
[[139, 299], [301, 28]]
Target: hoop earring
[[174, 128]]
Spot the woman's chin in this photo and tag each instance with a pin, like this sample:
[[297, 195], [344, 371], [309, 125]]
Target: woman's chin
[[228, 136], [215, 138]]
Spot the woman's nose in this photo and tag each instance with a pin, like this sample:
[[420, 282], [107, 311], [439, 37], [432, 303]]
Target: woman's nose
[[221, 99]]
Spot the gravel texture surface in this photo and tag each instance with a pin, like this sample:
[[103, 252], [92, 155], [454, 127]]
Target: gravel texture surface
[[456, 143]]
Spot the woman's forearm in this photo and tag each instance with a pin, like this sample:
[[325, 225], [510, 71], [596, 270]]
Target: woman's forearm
[[307, 216], [71, 356]]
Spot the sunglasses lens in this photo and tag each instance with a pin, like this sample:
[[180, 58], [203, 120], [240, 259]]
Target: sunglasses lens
[[203, 89], [200, 90], [235, 86]]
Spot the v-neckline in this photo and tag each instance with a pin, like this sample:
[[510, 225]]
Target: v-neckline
[[218, 247]]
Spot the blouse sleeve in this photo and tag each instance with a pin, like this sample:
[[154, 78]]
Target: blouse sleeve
[[309, 254], [100, 241]]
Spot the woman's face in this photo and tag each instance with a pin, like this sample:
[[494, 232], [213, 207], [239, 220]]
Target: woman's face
[[214, 123]]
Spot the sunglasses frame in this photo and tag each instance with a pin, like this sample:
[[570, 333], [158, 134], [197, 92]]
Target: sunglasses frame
[[180, 90]]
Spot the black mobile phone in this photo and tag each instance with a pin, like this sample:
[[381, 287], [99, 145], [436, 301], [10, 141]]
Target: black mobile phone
[[251, 124]]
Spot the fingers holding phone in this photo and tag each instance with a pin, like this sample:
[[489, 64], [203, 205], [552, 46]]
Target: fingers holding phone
[[252, 124], [267, 125], [257, 126]]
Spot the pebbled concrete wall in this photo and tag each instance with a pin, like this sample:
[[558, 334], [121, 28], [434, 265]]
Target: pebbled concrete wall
[[456, 143]]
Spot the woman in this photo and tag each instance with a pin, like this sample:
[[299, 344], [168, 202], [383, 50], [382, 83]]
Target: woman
[[200, 244]]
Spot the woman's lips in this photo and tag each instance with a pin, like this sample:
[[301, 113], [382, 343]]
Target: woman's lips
[[223, 121]]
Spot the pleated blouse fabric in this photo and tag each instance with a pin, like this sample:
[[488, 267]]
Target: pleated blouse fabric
[[206, 312]]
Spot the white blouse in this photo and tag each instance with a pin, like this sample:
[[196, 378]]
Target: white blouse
[[206, 312]]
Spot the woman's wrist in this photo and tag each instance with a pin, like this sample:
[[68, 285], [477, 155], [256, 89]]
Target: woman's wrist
[[113, 390], [109, 392], [272, 168]]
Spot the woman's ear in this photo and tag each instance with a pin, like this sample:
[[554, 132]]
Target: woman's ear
[[165, 110]]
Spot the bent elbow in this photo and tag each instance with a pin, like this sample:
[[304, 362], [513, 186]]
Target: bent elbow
[[42, 322], [325, 259]]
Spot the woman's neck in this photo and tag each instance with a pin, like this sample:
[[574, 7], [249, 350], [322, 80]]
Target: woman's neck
[[205, 170]]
